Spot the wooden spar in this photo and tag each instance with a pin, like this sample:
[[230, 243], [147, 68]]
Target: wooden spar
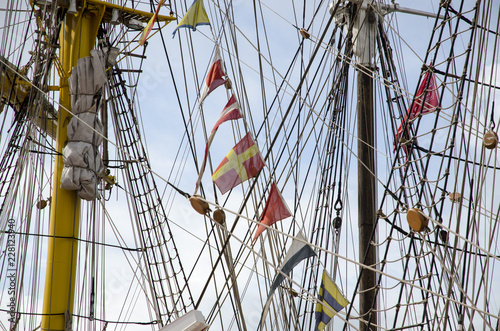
[[366, 199], [15, 89], [234, 284], [140, 15], [364, 49]]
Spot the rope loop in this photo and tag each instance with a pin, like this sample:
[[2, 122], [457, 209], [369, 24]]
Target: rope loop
[[338, 205]]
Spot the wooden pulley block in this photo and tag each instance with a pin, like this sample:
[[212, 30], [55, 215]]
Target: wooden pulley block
[[304, 33], [490, 139], [41, 204], [199, 205], [293, 293], [443, 235], [337, 222], [219, 216], [455, 197], [416, 219], [228, 85]]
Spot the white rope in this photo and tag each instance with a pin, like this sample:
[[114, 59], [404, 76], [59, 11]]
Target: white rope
[[351, 260]]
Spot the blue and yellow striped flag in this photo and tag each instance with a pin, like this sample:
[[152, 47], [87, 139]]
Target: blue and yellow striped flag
[[196, 15], [330, 301]]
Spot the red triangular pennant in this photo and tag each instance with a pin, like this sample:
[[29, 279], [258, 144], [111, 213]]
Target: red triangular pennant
[[230, 112], [215, 77], [274, 211], [430, 95]]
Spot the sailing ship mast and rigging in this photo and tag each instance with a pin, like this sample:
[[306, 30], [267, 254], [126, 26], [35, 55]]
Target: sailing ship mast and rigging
[[442, 276]]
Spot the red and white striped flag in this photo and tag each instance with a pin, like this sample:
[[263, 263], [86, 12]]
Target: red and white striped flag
[[230, 112], [215, 77]]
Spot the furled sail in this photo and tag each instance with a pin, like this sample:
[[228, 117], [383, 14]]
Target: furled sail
[[82, 160]]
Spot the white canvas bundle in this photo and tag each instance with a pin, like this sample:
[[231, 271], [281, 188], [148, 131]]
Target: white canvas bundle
[[82, 161], [82, 166], [87, 77], [82, 180], [86, 127]]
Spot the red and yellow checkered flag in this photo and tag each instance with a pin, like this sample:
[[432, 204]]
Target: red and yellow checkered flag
[[242, 162]]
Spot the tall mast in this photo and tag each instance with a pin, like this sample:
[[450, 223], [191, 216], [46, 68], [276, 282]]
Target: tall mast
[[363, 30], [77, 39], [366, 199], [362, 27], [364, 34]]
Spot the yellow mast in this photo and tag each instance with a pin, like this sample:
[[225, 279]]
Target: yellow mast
[[77, 39]]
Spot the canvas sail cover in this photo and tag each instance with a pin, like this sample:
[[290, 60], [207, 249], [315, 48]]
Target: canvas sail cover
[[82, 160]]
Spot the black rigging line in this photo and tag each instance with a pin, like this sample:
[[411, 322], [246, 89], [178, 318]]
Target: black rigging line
[[77, 239], [322, 221], [303, 76], [457, 115], [425, 310], [436, 242], [426, 167], [80, 316], [21, 117], [462, 17], [253, 184], [454, 158], [448, 74], [265, 158], [222, 32], [191, 144]]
